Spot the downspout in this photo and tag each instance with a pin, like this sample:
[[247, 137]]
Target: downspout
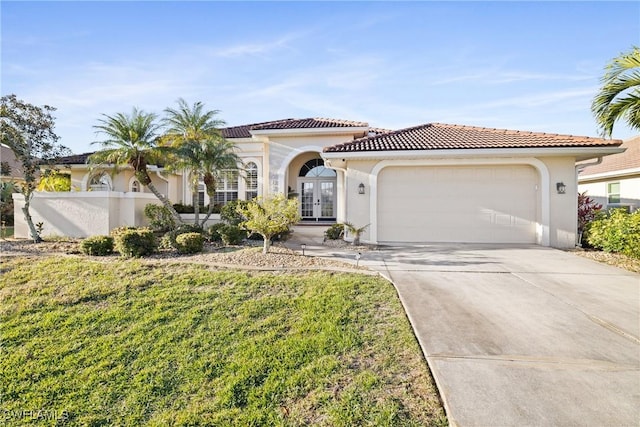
[[580, 168]]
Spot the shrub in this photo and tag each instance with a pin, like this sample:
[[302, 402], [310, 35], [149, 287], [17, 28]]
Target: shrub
[[97, 245], [188, 209], [214, 232], [115, 232], [190, 243], [616, 231], [135, 242], [230, 213], [159, 217], [335, 232], [232, 234], [183, 229]]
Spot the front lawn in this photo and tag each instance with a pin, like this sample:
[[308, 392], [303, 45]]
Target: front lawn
[[133, 343]]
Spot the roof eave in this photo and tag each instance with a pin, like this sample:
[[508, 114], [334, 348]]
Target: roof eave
[[580, 153], [343, 130], [609, 174]]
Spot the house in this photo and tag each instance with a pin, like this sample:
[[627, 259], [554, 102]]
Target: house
[[429, 183], [614, 181], [10, 167]]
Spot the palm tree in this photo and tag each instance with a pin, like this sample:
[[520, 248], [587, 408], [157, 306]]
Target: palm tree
[[209, 159], [619, 96], [132, 140], [200, 148]]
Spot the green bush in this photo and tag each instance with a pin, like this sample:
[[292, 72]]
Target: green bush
[[229, 212], [214, 232], [335, 232], [188, 209], [182, 229], [115, 232], [616, 231], [136, 242], [159, 217], [97, 245], [190, 243], [232, 234]]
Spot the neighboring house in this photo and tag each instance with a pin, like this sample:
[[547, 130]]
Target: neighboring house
[[615, 180], [430, 183], [10, 167]]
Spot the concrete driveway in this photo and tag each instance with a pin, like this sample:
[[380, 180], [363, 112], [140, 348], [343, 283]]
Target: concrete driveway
[[524, 335]]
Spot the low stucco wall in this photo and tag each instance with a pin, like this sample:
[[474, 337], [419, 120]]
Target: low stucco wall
[[82, 214], [213, 219]]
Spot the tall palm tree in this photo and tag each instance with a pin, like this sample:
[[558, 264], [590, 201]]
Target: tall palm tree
[[619, 96], [132, 140], [200, 148], [209, 159]]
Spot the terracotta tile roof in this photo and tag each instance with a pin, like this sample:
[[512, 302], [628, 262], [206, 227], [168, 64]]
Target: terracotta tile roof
[[74, 159], [438, 136], [630, 159], [309, 123]]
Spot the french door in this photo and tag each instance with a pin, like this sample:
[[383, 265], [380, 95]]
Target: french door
[[317, 199]]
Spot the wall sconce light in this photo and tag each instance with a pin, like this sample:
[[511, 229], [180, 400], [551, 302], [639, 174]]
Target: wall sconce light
[[361, 188], [303, 246], [561, 187]]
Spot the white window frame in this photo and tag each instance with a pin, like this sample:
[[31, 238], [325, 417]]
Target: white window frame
[[229, 189], [252, 183], [611, 194], [107, 185]]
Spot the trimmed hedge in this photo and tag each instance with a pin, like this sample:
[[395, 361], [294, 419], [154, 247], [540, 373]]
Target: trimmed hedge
[[232, 234], [97, 245], [214, 232], [190, 243], [172, 235], [135, 242], [160, 218], [616, 231]]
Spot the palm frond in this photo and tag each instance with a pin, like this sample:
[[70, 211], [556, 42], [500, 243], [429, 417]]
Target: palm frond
[[619, 96]]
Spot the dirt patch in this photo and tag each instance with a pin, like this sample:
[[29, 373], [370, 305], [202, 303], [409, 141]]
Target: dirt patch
[[617, 260], [245, 257]]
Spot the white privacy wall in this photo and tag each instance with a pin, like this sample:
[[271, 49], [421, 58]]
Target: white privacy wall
[[82, 214]]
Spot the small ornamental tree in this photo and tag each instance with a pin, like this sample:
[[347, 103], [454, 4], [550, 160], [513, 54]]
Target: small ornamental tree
[[587, 210], [269, 216], [28, 131]]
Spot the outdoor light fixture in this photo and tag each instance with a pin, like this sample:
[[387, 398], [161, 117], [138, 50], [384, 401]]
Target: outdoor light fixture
[[561, 187], [361, 188], [303, 246], [358, 256]]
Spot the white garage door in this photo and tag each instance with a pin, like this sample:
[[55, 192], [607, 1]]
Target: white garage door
[[484, 204]]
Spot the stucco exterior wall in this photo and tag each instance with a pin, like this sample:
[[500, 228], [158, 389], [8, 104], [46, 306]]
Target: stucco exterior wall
[[556, 213], [82, 214], [563, 208], [598, 190], [283, 150]]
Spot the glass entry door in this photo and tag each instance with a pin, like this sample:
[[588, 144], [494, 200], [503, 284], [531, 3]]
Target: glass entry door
[[317, 199]]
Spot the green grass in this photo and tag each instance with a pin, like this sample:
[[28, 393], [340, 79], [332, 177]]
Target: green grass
[[6, 232], [131, 343]]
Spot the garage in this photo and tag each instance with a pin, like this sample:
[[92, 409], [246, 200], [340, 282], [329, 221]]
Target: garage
[[475, 204]]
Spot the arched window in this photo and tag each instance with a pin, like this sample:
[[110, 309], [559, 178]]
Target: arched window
[[315, 169], [252, 181], [100, 182], [135, 186]]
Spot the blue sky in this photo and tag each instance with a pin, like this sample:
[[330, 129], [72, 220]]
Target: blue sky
[[517, 65]]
